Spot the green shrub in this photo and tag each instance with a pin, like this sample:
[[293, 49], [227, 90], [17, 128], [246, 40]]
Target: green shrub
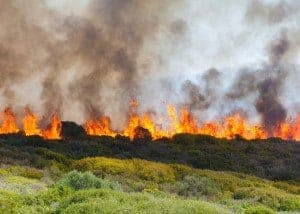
[[197, 186], [32, 173], [109, 201], [270, 197], [294, 189], [135, 168], [57, 157], [77, 180], [9, 201], [52, 196], [259, 210]]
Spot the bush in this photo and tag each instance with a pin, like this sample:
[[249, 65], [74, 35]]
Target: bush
[[109, 201], [77, 180], [32, 173], [259, 210], [197, 186], [294, 189], [135, 168], [272, 198]]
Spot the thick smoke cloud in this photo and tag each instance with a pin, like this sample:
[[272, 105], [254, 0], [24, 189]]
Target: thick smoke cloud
[[93, 63], [268, 82], [270, 12], [201, 99], [102, 47], [268, 103]]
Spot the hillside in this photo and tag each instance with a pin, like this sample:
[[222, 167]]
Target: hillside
[[185, 174]]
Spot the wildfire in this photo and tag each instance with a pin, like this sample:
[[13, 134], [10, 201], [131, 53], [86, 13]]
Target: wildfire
[[8, 125], [99, 127], [185, 122], [30, 125], [182, 121], [54, 129], [289, 130]]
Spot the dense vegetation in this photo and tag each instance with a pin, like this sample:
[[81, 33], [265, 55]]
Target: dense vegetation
[[272, 158], [185, 174]]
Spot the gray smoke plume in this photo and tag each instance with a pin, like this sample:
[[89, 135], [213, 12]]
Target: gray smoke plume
[[244, 85], [94, 62], [268, 82], [102, 47], [271, 12], [195, 98], [268, 103], [201, 99]]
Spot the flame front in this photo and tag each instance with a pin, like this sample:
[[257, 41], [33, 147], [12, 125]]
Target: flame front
[[185, 122], [182, 121]]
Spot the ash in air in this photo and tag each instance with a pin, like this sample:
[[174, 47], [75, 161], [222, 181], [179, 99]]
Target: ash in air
[[85, 59]]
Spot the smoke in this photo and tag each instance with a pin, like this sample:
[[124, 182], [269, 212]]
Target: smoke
[[201, 99], [196, 100], [91, 60], [88, 64], [271, 12], [268, 103], [268, 82], [244, 85]]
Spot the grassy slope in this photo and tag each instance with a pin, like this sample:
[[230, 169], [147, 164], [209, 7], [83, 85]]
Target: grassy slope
[[146, 187], [33, 171]]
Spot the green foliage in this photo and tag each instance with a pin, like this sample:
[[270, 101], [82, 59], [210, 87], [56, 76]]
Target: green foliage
[[259, 210], [107, 201], [270, 197], [291, 188], [63, 160], [27, 172], [135, 168], [197, 186], [32, 173], [77, 180], [9, 201], [34, 176], [271, 158]]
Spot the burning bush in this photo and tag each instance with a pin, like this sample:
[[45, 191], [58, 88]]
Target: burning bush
[[142, 134]]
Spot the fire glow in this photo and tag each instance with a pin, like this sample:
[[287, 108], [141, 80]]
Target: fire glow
[[182, 121], [30, 125], [185, 122]]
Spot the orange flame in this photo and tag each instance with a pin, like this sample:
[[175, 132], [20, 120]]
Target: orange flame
[[99, 127], [30, 124], [185, 122], [289, 130], [54, 129], [8, 125], [182, 122]]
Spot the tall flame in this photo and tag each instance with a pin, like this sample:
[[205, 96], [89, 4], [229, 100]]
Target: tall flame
[[182, 121], [289, 130], [185, 122], [30, 124], [9, 124], [99, 127], [54, 128]]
